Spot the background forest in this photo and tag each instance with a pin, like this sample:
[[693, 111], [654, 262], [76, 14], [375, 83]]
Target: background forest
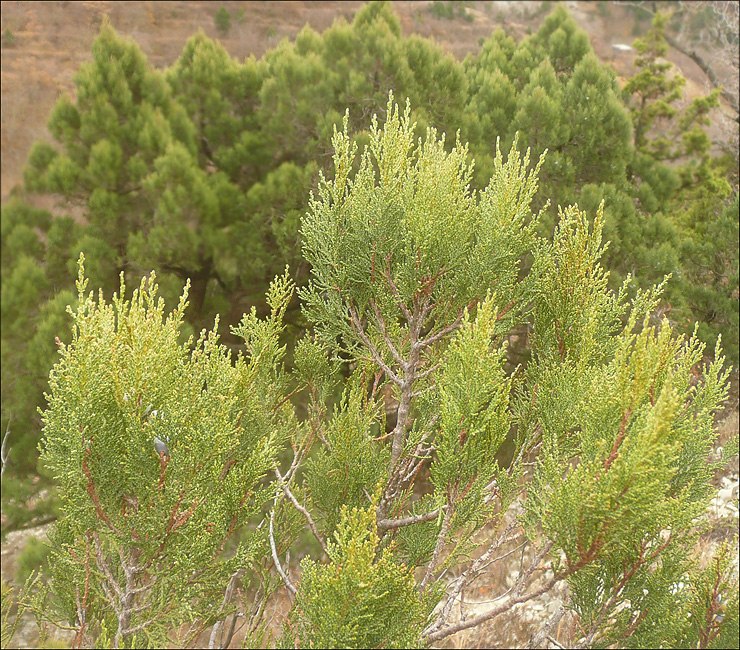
[[202, 170]]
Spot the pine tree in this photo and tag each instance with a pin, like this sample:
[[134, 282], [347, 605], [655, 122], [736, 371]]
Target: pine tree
[[33, 291], [654, 89], [691, 199]]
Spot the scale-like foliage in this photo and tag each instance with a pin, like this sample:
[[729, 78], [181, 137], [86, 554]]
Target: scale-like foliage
[[164, 450], [361, 598], [159, 450]]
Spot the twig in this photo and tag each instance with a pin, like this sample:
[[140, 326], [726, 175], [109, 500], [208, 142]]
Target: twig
[[428, 371], [441, 630], [469, 575], [381, 325], [300, 508], [438, 548], [227, 641], [394, 290], [276, 559], [554, 642], [90, 487], [390, 524], [227, 597], [544, 633], [357, 326], [487, 616], [3, 454], [441, 333], [626, 577]]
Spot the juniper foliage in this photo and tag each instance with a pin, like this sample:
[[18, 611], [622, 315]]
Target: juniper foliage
[[417, 283], [159, 449]]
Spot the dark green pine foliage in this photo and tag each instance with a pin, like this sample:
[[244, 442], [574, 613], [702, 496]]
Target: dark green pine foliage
[[654, 90], [122, 120], [35, 281], [224, 243], [551, 89], [684, 191]]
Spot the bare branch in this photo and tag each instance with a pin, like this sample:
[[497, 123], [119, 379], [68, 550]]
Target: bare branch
[[105, 569], [428, 371], [3, 454], [441, 333], [300, 508], [389, 524], [434, 562], [227, 597], [469, 575], [487, 616], [357, 326], [276, 559], [544, 633], [394, 290], [381, 325]]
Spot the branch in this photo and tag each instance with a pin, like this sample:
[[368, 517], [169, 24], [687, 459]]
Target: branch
[[428, 371], [90, 487], [82, 606], [544, 633], [706, 69], [276, 559], [381, 325], [103, 566], [357, 326], [438, 548], [227, 597], [618, 441], [441, 334], [470, 574], [626, 577], [482, 618], [3, 455], [300, 508], [390, 524], [394, 289]]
